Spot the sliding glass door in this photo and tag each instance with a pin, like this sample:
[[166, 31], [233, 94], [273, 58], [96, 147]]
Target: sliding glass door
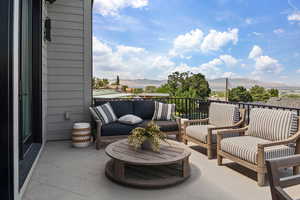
[[26, 77], [30, 85]]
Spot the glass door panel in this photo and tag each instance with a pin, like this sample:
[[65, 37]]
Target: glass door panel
[[26, 76]]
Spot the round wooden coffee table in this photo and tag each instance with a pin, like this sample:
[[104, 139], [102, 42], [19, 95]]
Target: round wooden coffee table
[[145, 168]]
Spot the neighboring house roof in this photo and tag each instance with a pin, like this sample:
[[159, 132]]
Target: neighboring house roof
[[109, 93], [109, 96], [285, 102], [154, 94]]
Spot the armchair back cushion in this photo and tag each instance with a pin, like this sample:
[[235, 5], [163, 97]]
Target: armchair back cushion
[[223, 114], [272, 124]]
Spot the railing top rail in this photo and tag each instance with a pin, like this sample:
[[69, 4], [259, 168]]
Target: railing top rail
[[257, 105], [201, 101]]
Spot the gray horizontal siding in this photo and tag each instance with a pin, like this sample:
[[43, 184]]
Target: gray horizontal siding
[[67, 68], [44, 75]]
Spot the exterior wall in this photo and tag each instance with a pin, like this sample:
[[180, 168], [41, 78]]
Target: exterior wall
[[44, 71], [69, 62]]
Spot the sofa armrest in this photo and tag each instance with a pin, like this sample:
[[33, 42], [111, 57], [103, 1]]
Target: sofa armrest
[[98, 136]]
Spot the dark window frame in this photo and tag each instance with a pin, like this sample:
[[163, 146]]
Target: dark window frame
[[29, 151], [6, 103]]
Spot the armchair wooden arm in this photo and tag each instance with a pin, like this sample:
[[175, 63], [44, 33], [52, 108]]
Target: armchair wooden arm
[[228, 131], [291, 139], [276, 182], [188, 122]]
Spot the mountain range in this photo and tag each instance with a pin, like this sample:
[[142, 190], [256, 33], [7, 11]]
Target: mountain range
[[215, 84]]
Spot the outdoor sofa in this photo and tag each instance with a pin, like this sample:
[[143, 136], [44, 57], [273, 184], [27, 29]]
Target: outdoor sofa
[[270, 134], [141, 108]]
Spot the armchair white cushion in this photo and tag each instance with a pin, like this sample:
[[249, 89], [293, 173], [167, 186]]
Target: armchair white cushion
[[245, 147], [219, 115]]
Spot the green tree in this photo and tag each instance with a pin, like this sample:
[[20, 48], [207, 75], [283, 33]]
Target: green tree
[[124, 87], [105, 82], [163, 89], [273, 92], [150, 89], [138, 90], [118, 80], [239, 94], [259, 93], [187, 84]]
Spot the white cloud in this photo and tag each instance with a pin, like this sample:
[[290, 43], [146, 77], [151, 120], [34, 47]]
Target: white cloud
[[266, 64], [249, 21], [295, 16], [298, 71], [279, 31], [215, 40], [195, 40], [112, 7], [188, 42], [229, 60], [211, 69], [255, 52], [128, 62], [257, 33], [230, 75], [125, 50]]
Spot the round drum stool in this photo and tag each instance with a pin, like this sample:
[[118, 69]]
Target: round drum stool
[[81, 135]]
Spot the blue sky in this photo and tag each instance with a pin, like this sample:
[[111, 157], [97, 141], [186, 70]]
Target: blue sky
[[257, 39]]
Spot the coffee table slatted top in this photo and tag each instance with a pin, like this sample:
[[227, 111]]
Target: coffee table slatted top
[[168, 154]]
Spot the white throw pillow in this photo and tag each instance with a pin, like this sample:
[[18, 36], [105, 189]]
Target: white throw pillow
[[130, 119]]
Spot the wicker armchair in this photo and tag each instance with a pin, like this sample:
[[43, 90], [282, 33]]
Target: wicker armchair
[[270, 134], [203, 132]]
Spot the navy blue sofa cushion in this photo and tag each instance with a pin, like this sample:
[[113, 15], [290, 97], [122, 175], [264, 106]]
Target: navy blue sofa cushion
[[144, 109], [116, 128], [165, 126], [120, 107]]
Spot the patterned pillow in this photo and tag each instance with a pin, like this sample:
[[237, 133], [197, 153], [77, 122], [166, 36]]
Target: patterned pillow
[[105, 113], [163, 111]]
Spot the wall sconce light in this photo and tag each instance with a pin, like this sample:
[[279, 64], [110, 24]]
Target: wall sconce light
[[47, 33], [51, 1]]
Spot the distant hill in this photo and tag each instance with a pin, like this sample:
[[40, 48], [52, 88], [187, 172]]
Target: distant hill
[[142, 83], [219, 84], [215, 84]]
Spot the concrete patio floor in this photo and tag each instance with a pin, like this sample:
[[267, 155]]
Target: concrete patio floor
[[66, 173]]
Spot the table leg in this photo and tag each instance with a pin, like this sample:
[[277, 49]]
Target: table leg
[[185, 167], [119, 169]]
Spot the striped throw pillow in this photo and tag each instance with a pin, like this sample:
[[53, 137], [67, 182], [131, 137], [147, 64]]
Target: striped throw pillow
[[105, 113], [163, 111]]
